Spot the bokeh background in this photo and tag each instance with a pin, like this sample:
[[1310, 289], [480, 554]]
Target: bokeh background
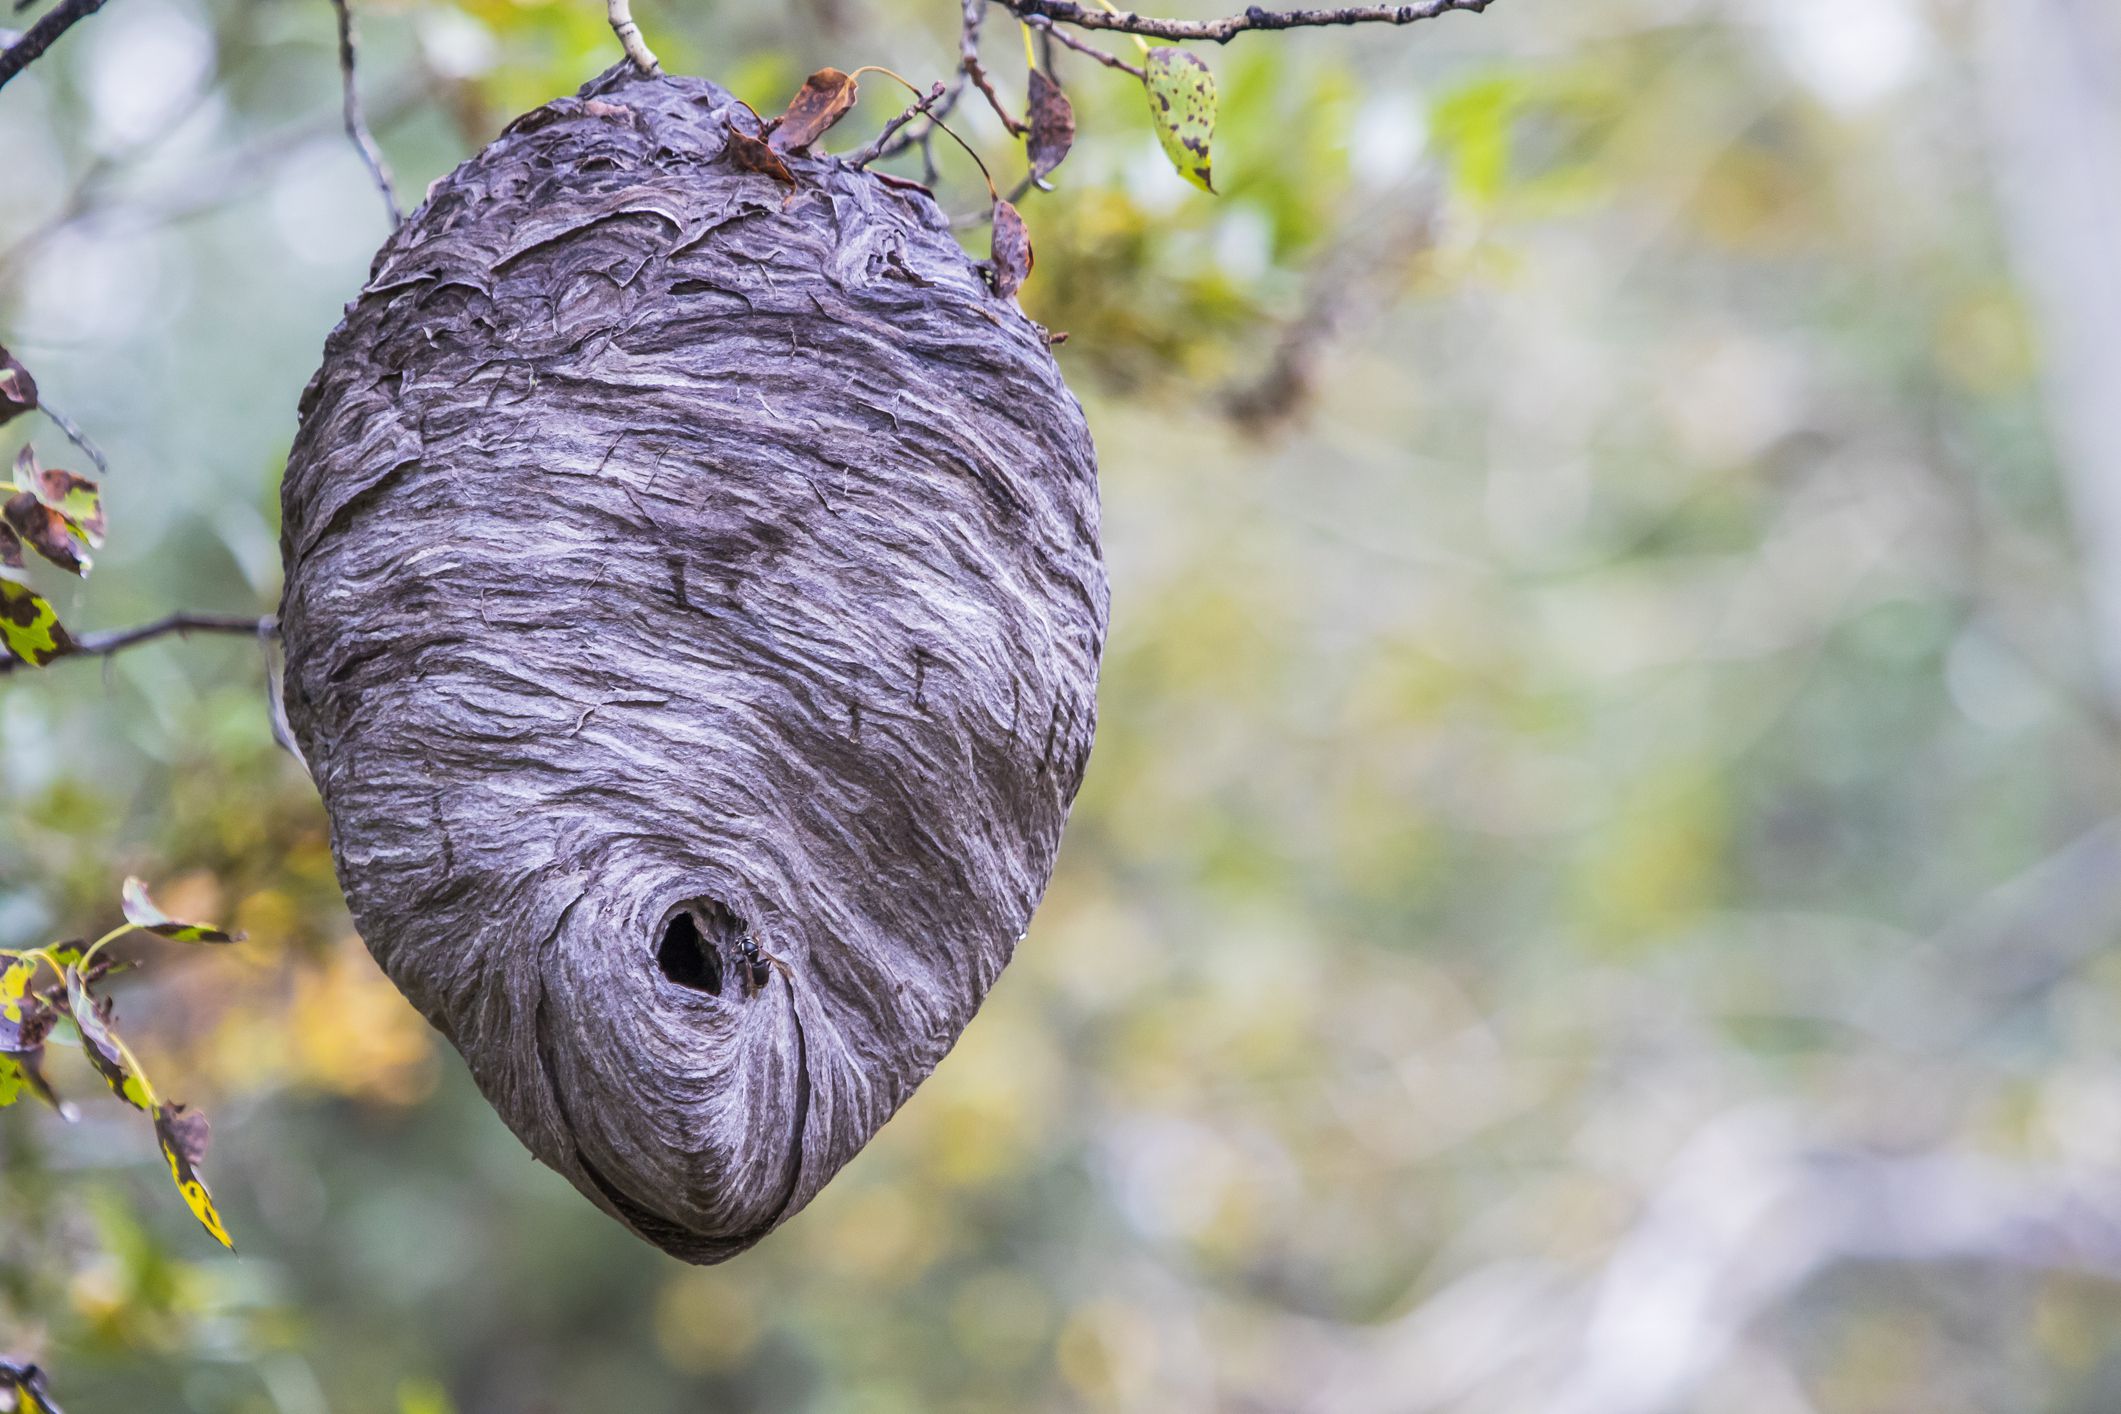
[[1599, 885]]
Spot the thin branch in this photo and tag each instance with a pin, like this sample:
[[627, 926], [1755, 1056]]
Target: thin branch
[[42, 35], [629, 33], [98, 645], [926, 134], [1222, 31], [1047, 28], [969, 64], [357, 122], [74, 434], [882, 141]]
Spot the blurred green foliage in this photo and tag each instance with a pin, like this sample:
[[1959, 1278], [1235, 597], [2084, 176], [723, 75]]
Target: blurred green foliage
[[1625, 690]]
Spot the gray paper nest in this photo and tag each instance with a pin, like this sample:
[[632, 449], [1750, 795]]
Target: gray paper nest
[[683, 573]]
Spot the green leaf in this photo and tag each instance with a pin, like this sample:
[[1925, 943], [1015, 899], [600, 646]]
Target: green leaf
[[77, 498], [1182, 102], [183, 1134], [29, 626], [1471, 127], [92, 1018], [140, 911]]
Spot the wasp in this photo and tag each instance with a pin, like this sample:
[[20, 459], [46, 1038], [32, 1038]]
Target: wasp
[[757, 966]]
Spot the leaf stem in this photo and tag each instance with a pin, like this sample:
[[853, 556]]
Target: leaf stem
[[97, 946]]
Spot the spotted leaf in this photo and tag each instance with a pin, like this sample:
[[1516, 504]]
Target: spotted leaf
[[140, 911], [183, 1134], [822, 101], [1182, 103], [92, 1018], [29, 626], [25, 1020]]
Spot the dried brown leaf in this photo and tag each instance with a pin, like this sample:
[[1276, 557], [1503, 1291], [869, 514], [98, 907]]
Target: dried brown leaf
[[18, 391], [1052, 125], [1011, 250], [77, 498], [752, 155], [822, 101], [50, 533]]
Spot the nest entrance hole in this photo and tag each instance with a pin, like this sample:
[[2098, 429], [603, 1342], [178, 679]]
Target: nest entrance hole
[[694, 941]]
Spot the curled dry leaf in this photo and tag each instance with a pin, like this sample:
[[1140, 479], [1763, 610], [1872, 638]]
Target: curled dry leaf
[[1182, 102], [752, 155], [1052, 130], [99, 1041], [50, 533], [1011, 250], [140, 911], [822, 101], [183, 1134], [18, 391], [29, 626]]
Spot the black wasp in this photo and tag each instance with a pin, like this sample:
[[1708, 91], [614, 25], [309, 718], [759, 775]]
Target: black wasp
[[757, 966]]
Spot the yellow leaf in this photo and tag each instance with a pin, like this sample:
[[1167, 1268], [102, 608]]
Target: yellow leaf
[[29, 626], [183, 1133]]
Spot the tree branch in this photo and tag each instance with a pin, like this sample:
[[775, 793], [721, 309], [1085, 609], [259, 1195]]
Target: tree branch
[[876, 148], [620, 12], [1111, 61], [74, 434], [98, 645], [969, 64], [42, 35], [1222, 31], [357, 122]]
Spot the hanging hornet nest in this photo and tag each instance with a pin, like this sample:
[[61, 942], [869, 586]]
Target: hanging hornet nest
[[692, 621]]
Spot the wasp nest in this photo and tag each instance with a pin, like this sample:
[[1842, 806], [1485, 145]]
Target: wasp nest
[[692, 622]]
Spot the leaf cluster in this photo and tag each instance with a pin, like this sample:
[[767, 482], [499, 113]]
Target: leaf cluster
[[52, 513], [34, 1011]]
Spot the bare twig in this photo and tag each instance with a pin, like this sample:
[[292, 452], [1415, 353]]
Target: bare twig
[[357, 122], [877, 148], [969, 65], [42, 35], [74, 434], [629, 33], [1222, 31], [98, 645], [1047, 28]]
